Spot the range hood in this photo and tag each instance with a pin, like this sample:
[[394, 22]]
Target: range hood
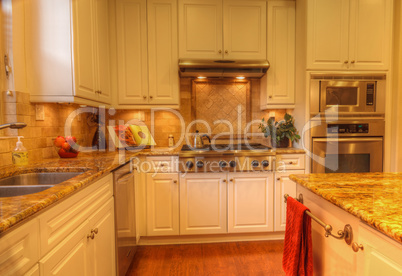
[[223, 68]]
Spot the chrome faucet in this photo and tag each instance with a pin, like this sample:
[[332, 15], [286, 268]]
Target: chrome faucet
[[13, 125]]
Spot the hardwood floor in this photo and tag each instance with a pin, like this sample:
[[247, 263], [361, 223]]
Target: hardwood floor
[[235, 258]]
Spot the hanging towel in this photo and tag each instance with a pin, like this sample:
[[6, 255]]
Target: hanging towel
[[298, 251]]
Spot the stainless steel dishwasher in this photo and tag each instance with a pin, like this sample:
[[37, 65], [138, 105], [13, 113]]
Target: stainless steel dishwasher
[[124, 209]]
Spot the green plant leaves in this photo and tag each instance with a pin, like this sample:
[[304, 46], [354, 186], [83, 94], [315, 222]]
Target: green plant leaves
[[280, 130]]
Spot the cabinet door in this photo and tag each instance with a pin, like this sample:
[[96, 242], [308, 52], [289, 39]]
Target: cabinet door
[[101, 249], [200, 29], [101, 13], [162, 52], [70, 257], [283, 185], [203, 203], [132, 51], [84, 56], [244, 29], [327, 34], [370, 33], [162, 204], [277, 86], [250, 202]]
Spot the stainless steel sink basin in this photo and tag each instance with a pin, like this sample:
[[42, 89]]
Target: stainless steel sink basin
[[30, 183]]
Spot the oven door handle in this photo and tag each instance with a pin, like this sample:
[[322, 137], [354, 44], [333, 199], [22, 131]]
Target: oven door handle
[[360, 139]]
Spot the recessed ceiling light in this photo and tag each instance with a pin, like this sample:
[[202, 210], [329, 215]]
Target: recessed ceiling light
[[240, 78], [201, 77]]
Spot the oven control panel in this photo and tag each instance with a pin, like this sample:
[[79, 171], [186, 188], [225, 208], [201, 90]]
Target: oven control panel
[[347, 128]]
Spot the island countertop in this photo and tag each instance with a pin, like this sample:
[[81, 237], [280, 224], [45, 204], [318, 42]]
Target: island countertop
[[375, 198]]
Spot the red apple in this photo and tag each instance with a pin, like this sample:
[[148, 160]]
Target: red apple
[[59, 141], [66, 146]]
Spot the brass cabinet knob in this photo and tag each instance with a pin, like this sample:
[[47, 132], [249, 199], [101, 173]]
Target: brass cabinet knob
[[144, 97], [95, 231], [291, 162], [270, 96], [175, 181], [231, 180], [226, 51], [356, 246], [346, 62], [224, 180], [220, 51], [352, 61], [100, 92], [150, 97], [278, 179], [92, 236]]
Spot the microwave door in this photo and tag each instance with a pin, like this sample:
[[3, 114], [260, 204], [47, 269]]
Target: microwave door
[[347, 155]]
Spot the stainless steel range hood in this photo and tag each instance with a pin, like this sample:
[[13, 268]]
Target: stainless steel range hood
[[223, 68]]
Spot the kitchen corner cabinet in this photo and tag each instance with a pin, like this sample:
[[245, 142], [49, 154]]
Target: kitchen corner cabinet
[[278, 84], [203, 203], [67, 51], [147, 53], [349, 34], [250, 202], [222, 29], [162, 204]]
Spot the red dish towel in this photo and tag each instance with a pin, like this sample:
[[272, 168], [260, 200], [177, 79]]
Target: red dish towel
[[298, 251]]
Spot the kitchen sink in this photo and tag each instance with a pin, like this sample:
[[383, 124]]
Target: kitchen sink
[[29, 183]]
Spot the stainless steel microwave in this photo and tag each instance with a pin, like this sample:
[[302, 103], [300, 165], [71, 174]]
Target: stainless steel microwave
[[348, 95]]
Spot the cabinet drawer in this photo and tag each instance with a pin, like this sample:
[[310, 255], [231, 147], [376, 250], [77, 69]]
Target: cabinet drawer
[[19, 249], [290, 162], [61, 220], [162, 164]]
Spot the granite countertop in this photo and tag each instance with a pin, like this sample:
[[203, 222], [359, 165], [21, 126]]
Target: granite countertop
[[14, 210], [375, 198]]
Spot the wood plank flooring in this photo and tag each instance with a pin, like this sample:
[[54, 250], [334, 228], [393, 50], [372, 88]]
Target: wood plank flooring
[[234, 258]]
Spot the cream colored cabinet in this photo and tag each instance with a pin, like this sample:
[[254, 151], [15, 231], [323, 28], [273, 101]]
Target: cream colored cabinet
[[349, 34], [250, 202], [88, 250], [162, 204], [67, 51], [19, 249], [216, 29], [203, 203], [283, 185], [147, 53], [278, 84]]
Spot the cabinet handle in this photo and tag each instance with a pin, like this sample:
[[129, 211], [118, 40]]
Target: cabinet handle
[[174, 181], [92, 236], [224, 180], [226, 51], [270, 96], [352, 61], [95, 231], [278, 179], [144, 97], [290, 163], [346, 62], [231, 180], [150, 97], [100, 91], [356, 246], [220, 51]]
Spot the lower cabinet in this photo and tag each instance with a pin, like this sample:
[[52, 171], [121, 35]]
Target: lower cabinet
[[203, 203], [250, 202], [88, 250], [162, 204], [283, 185]]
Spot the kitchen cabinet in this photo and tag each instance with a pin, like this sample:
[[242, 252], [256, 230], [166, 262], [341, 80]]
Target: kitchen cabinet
[[89, 250], [147, 53], [250, 202], [67, 51], [222, 29], [349, 34], [19, 249], [277, 86], [203, 203], [162, 204], [283, 185]]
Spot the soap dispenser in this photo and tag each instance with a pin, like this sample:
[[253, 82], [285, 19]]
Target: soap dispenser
[[20, 154]]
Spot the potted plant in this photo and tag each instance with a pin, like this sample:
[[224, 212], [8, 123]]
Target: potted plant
[[281, 132]]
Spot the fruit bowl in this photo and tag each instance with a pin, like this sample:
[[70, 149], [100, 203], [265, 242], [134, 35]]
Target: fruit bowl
[[65, 146]]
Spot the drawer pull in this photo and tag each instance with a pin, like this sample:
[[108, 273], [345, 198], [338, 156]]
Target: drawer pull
[[278, 179], [92, 236], [231, 180], [356, 247], [291, 162], [224, 180], [174, 181], [94, 231]]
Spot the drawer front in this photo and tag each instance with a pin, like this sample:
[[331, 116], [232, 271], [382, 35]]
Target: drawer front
[[287, 162], [60, 221], [19, 249], [162, 164]]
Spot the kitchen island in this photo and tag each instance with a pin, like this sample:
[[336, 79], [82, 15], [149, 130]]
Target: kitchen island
[[371, 203]]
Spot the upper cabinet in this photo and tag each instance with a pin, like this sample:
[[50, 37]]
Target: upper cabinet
[[67, 51], [277, 85], [228, 29], [349, 34], [147, 53]]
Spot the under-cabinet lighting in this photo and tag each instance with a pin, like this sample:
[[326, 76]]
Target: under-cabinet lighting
[[201, 78], [240, 78]]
